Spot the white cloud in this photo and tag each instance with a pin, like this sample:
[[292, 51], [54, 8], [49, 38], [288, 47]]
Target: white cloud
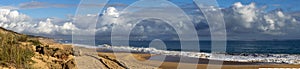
[[239, 18], [243, 15], [251, 19], [13, 20], [111, 11]]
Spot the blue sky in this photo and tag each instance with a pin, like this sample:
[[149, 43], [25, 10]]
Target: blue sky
[[62, 12]]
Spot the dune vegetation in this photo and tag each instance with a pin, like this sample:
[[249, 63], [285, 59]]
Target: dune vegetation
[[12, 52], [20, 51]]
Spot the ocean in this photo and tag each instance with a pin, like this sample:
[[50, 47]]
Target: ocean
[[277, 51], [232, 47]]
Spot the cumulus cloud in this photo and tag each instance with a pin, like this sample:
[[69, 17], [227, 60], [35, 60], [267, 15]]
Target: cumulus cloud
[[13, 20], [47, 27], [240, 19], [251, 19], [111, 11], [149, 21]]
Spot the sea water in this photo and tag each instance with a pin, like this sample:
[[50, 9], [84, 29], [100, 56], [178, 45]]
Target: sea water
[[285, 51]]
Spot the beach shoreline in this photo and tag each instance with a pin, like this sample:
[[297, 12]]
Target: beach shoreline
[[143, 61], [226, 64]]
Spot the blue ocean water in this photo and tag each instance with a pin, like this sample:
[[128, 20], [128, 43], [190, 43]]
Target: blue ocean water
[[232, 47], [287, 52]]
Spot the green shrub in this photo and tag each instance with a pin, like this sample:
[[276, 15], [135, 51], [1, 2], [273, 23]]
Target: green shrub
[[22, 38], [35, 42]]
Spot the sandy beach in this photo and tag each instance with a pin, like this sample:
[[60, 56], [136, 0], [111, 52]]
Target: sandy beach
[[122, 60], [174, 64]]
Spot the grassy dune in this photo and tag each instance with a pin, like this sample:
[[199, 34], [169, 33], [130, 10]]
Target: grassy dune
[[12, 52], [20, 51]]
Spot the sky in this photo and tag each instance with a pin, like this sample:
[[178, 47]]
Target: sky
[[37, 8], [244, 19]]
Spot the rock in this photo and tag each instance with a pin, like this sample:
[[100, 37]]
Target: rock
[[69, 65], [40, 49], [77, 52]]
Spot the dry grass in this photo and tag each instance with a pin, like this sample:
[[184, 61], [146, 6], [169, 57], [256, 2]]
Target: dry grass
[[13, 54]]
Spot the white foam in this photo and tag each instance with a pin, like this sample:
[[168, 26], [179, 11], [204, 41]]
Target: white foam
[[85, 46]]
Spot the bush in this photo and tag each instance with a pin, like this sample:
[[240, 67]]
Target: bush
[[22, 38], [35, 42]]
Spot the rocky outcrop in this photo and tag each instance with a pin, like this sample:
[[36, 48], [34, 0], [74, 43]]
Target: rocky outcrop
[[53, 55]]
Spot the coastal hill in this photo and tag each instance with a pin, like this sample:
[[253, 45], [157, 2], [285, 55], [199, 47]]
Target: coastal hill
[[31, 52]]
